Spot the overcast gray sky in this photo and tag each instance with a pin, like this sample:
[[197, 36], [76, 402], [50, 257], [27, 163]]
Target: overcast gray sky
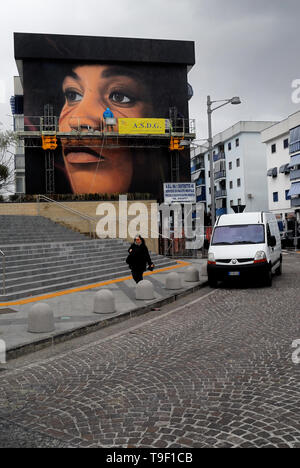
[[248, 48]]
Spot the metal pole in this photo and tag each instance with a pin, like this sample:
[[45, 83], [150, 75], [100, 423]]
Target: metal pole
[[211, 165], [3, 272]]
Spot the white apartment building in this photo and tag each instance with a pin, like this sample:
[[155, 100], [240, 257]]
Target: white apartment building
[[240, 168], [282, 142]]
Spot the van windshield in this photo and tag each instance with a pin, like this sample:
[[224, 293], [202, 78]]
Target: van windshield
[[234, 235]]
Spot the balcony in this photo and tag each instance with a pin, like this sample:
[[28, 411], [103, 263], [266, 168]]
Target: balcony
[[201, 198], [219, 156], [200, 181], [295, 202], [295, 174], [294, 147], [220, 175], [201, 194], [221, 193], [197, 167], [221, 211]]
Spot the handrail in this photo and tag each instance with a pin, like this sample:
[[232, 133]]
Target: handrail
[[3, 271], [90, 219]]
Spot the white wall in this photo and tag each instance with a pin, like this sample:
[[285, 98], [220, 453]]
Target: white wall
[[281, 183], [252, 171], [255, 170], [236, 152]]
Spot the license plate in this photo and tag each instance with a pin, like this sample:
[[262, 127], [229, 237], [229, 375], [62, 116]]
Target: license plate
[[234, 273]]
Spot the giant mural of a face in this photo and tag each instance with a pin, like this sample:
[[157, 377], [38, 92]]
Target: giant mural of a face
[[79, 93], [88, 91]]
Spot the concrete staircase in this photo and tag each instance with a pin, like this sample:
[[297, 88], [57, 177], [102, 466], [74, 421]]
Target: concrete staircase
[[43, 257]]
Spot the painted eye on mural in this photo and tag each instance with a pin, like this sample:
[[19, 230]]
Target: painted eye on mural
[[120, 98], [72, 96]]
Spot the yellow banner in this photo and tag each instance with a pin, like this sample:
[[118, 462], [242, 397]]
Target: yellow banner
[[142, 126]]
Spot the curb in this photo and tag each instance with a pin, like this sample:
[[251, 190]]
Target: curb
[[61, 337]]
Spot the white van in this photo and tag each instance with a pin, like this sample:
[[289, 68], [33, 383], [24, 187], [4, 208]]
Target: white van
[[245, 245]]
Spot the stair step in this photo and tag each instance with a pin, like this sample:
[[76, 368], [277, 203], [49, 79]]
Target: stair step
[[66, 285], [42, 257], [28, 289], [66, 265], [64, 255]]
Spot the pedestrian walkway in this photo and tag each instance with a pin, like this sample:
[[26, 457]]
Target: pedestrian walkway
[[73, 309]]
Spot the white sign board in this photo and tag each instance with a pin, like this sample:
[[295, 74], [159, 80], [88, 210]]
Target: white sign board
[[179, 192]]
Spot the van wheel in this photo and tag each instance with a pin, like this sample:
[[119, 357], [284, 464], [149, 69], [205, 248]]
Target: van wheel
[[212, 281], [278, 270], [268, 278]]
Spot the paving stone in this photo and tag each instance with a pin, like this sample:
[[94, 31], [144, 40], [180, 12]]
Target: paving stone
[[216, 374]]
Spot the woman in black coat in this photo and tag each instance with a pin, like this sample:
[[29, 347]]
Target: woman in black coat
[[138, 258]]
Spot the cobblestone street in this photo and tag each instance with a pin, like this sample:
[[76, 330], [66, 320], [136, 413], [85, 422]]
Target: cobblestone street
[[212, 370]]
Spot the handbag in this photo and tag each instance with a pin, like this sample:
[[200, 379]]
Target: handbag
[[128, 259]]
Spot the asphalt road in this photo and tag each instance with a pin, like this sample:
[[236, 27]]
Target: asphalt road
[[213, 370]]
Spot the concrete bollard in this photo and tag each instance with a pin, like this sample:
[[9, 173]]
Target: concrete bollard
[[173, 281], [40, 319], [144, 291], [191, 275], [104, 302]]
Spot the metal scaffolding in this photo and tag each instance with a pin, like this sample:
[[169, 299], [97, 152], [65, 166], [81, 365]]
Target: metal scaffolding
[[36, 127], [44, 132]]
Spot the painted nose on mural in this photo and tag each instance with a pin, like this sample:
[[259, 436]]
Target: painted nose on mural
[[85, 119], [84, 123]]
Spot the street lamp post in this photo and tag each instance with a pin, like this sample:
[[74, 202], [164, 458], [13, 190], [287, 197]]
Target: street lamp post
[[234, 100]]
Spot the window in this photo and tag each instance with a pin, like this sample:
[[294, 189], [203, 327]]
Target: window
[[20, 184], [231, 184], [239, 201], [239, 182], [230, 166], [231, 202], [273, 148], [19, 161], [286, 143], [234, 235], [275, 197], [238, 162], [237, 142], [287, 196], [229, 146]]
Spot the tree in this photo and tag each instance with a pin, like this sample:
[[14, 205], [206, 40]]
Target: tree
[[8, 139]]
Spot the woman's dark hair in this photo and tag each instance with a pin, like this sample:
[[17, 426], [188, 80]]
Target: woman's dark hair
[[140, 237]]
